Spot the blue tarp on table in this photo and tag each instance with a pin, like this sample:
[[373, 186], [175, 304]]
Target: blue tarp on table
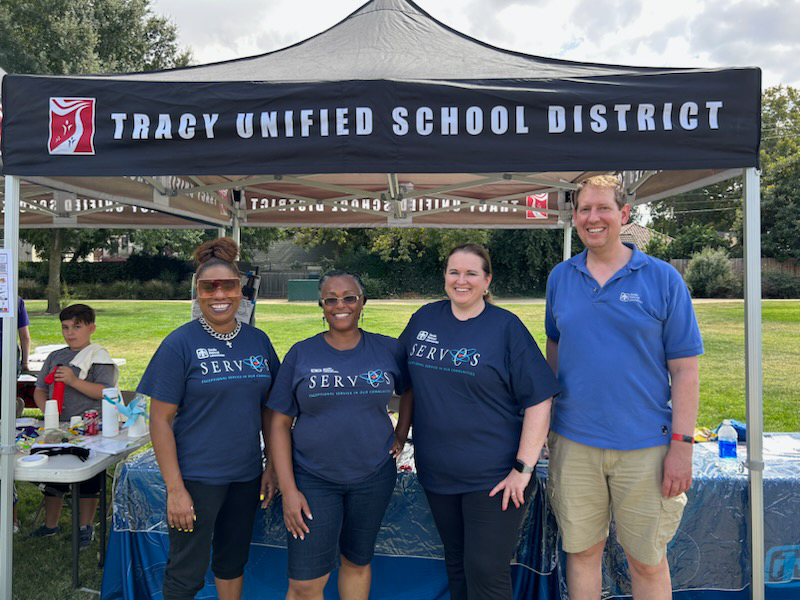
[[709, 555]]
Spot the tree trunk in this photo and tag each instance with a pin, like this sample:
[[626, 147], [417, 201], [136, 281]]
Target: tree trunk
[[54, 273]]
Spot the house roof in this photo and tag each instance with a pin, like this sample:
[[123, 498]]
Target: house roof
[[640, 235]]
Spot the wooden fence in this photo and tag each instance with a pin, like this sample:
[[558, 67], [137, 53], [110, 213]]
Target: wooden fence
[[792, 267]]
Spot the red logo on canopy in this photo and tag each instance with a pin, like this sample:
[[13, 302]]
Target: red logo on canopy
[[537, 201], [71, 126]]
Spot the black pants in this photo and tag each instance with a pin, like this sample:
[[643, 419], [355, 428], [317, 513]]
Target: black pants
[[479, 542], [225, 515]]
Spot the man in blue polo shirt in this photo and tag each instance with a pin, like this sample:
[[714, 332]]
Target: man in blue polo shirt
[[623, 338]]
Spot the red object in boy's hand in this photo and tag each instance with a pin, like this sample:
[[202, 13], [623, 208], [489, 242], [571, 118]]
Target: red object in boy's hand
[[58, 388]]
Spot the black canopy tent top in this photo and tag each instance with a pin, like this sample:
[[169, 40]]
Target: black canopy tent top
[[389, 118], [378, 113]]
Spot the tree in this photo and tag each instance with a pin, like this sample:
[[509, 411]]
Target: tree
[[780, 184], [52, 245], [523, 258], [86, 36], [82, 36], [716, 206]]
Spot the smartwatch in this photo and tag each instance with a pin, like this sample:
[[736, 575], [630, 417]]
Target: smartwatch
[[523, 468]]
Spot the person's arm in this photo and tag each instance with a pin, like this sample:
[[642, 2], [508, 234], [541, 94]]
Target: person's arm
[[180, 508], [280, 450], [24, 346], [269, 481], [405, 414], [551, 348], [535, 425], [685, 385], [40, 398], [87, 388]]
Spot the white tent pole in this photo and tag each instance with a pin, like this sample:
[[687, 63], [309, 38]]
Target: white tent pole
[[236, 224], [9, 390], [221, 232], [754, 396]]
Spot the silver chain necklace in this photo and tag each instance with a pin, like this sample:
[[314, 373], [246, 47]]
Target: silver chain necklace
[[224, 337]]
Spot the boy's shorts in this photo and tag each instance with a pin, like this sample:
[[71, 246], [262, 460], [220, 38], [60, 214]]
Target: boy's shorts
[[586, 485]]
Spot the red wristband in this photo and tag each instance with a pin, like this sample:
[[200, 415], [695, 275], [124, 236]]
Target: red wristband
[[682, 438]]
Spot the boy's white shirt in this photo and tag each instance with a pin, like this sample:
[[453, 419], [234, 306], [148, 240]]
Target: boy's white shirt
[[93, 354]]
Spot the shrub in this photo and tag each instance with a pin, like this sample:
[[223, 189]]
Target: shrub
[[30, 288], [123, 290], [375, 287], [156, 289], [775, 284], [709, 275], [85, 291]]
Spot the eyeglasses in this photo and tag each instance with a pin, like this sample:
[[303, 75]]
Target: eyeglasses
[[207, 287], [333, 300]]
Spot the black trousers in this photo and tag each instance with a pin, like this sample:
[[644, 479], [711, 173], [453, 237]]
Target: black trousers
[[225, 515], [479, 542]]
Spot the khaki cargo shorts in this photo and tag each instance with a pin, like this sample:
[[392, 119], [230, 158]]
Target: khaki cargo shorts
[[587, 485]]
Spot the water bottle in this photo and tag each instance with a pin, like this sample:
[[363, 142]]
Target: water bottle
[[727, 438]]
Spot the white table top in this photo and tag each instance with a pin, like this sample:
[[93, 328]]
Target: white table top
[[70, 469]]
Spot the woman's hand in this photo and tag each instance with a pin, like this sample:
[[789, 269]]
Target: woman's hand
[[513, 488], [180, 510], [294, 507], [269, 484], [398, 446]]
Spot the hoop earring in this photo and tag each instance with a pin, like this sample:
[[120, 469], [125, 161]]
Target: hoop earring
[[486, 292]]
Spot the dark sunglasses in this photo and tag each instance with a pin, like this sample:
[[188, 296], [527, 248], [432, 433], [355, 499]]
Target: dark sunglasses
[[207, 287], [333, 300]]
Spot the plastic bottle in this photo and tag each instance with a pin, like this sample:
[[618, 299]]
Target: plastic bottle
[[727, 438]]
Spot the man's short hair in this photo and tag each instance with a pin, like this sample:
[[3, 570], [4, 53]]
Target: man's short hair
[[80, 313], [603, 182]]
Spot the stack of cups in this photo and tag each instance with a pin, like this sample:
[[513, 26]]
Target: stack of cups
[[51, 414], [110, 412]]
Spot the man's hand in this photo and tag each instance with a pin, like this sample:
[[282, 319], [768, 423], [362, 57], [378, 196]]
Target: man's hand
[[677, 469]]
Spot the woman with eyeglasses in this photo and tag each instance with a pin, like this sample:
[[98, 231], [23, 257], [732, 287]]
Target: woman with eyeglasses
[[209, 382], [481, 412], [335, 466]]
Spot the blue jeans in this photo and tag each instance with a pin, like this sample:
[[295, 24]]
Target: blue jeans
[[346, 516]]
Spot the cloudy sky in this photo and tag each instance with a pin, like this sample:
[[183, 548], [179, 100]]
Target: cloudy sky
[[677, 33]]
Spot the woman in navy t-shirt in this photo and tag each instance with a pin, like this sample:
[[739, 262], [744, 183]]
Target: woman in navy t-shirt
[[335, 466], [211, 377], [481, 412]]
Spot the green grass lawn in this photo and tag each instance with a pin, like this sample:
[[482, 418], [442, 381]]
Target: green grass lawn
[[133, 330]]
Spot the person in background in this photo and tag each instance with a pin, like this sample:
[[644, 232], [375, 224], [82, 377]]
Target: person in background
[[481, 411], [24, 333], [209, 381], [335, 466], [623, 338], [23, 352], [85, 369]]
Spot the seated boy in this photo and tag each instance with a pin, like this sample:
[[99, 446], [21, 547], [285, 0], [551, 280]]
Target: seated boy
[[85, 370]]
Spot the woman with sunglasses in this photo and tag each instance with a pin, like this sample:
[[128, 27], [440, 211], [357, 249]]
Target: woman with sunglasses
[[335, 467], [481, 412], [208, 382]]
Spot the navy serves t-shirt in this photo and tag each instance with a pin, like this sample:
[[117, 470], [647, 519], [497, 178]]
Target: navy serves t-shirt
[[472, 382], [219, 392], [343, 432]]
